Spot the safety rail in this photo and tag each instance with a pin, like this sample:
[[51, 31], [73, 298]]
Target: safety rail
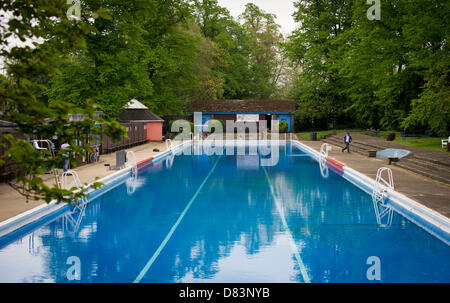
[[131, 162], [80, 204], [324, 150], [169, 145], [379, 195], [51, 148]]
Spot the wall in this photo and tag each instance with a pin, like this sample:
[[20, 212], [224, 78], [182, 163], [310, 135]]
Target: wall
[[154, 131]]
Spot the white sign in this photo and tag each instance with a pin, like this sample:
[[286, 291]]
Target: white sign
[[247, 118]]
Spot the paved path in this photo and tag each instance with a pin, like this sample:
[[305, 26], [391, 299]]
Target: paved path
[[12, 203], [426, 191]]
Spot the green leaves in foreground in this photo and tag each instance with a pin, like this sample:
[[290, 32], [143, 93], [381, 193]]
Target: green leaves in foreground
[[50, 39]]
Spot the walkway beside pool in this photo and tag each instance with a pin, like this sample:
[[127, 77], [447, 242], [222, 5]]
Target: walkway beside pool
[[12, 203], [430, 193]]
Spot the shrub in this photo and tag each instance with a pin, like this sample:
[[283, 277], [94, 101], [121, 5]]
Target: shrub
[[283, 126]]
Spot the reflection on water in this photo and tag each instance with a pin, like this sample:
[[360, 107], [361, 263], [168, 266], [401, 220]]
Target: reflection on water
[[231, 233]]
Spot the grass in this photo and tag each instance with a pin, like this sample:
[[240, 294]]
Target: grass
[[427, 143], [306, 136]]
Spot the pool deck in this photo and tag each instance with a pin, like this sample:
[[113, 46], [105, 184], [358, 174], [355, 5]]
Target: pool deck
[[428, 192], [12, 203]]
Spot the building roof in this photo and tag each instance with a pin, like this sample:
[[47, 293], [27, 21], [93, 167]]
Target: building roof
[[135, 104], [244, 106], [138, 112], [141, 115]]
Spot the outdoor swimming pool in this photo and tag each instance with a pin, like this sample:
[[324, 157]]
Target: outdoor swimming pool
[[227, 219]]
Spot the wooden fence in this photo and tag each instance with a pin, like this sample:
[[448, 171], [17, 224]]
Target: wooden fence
[[137, 134]]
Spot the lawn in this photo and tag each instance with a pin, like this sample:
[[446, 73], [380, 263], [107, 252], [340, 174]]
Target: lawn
[[306, 136], [429, 143]]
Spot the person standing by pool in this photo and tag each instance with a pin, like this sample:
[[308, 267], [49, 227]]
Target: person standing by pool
[[65, 145], [347, 141]]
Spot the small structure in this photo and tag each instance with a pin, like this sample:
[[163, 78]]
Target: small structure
[[136, 112], [245, 111]]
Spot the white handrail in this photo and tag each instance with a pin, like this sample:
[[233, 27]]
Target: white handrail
[[49, 145], [380, 193], [131, 162], [75, 180], [80, 204], [324, 149], [169, 146]]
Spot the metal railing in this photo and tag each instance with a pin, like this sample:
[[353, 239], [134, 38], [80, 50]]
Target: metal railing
[[48, 145], [131, 162], [383, 212], [69, 181]]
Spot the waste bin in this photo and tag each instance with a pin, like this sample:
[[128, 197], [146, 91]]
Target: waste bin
[[313, 136], [120, 158]]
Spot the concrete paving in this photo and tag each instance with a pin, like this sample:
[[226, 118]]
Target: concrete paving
[[12, 203], [428, 192]]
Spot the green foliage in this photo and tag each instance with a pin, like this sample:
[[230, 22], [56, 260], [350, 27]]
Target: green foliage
[[389, 74], [283, 126], [23, 91]]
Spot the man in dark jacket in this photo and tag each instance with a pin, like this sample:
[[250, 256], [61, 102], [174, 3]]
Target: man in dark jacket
[[347, 141]]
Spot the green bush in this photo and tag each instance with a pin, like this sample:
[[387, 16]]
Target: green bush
[[283, 126]]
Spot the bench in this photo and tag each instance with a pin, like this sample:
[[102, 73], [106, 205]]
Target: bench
[[445, 142], [414, 134], [392, 159]]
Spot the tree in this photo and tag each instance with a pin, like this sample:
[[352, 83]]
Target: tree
[[264, 48], [318, 88], [46, 38]]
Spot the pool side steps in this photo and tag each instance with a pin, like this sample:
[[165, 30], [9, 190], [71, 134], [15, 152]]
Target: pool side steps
[[428, 219], [111, 181]]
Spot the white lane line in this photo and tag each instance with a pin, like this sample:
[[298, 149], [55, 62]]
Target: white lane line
[[174, 227], [288, 231]]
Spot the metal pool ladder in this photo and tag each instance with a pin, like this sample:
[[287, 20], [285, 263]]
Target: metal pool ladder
[[78, 205], [379, 194], [131, 162], [51, 149], [324, 149], [131, 182]]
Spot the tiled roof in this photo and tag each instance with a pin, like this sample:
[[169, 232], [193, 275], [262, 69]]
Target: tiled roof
[[243, 106], [139, 115]]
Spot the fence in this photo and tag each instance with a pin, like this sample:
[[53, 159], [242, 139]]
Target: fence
[[137, 134]]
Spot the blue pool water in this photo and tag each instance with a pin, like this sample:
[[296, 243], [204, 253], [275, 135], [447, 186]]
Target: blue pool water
[[227, 219]]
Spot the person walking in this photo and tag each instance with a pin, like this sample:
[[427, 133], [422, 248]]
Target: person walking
[[347, 141], [65, 146]]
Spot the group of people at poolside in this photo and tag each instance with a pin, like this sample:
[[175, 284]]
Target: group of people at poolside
[[66, 146], [66, 156]]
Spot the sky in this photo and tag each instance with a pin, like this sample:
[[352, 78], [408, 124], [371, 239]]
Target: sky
[[283, 9]]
